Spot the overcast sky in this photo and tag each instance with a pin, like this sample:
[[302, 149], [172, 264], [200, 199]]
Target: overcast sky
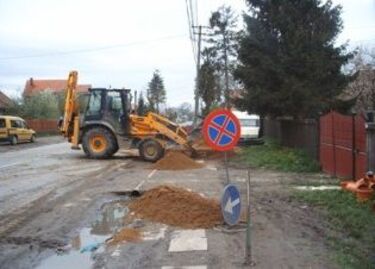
[[120, 43]]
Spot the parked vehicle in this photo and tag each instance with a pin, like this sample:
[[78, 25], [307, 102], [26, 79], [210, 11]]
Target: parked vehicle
[[14, 129], [250, 125]]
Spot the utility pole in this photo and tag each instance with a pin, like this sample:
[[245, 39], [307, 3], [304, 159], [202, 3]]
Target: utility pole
[[196, 105], [226, 94], [196, 99]]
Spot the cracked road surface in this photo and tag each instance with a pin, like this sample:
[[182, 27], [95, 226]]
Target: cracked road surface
[[51, 196]]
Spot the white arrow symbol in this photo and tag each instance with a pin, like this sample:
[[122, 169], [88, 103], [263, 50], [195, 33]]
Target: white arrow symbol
[[230, 204]]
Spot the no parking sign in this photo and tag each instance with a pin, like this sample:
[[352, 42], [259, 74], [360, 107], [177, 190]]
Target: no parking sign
[[221, 130]]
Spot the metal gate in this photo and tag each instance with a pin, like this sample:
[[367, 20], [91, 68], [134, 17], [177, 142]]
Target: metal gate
[[343, 145]]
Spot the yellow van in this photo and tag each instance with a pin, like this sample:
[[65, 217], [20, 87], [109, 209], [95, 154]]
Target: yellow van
[[14, 130]]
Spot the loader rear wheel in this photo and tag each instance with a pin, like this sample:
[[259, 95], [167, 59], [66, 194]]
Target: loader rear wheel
[[151, 150], [99, 143]]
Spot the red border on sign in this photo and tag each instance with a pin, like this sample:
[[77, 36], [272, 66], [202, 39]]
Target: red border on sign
[[208, 121]]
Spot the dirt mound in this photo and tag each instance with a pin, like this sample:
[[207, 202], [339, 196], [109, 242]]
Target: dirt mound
[[126, 234], [177, 207], [174, 160]]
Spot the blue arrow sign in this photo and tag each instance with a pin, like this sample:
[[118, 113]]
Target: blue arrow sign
[[231, 204]]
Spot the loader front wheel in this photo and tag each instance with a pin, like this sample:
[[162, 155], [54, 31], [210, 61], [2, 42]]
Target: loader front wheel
[[151, 150], [99, 143]]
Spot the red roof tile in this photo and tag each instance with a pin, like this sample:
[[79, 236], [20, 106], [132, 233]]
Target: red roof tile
[[55, 85], [4, 100]]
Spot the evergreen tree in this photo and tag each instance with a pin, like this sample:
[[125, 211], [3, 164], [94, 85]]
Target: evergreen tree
[[223, 43], [141, 107], [156, 94], [208, 81], [289, 64]]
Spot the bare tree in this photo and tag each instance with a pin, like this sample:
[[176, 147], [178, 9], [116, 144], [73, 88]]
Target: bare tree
[[363, 87]]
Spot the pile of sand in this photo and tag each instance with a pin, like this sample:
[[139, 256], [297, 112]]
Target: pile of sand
[[126, 234], [177, 207], [174, 160]]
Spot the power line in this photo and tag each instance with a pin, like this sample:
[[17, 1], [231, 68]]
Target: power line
[[196, 12], [190, 23], [92, 49]]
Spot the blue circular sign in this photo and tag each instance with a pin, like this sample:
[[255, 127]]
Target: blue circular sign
[[231, 204], [221, 130]]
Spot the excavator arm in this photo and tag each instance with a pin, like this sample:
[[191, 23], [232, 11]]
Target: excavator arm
[[153, 124], [70, 124]]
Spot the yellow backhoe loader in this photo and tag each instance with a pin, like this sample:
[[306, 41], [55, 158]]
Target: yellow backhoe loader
[[107, 124]]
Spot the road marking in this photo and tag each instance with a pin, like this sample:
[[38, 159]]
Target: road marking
[[211, 168], [139, 185], [188, 240], [230, 204], [9, 165], [69, 204], [185, 267], [151, 236], [152, 173], [116, 253]]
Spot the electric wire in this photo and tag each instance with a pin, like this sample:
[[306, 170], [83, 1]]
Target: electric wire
[[89, 50], [190, 24]]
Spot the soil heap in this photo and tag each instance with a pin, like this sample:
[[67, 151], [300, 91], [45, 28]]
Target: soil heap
[[174, 160], [177, 207], [126, 234]]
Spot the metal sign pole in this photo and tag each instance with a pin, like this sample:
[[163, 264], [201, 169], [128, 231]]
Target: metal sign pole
[[248, 254], [226, 167]]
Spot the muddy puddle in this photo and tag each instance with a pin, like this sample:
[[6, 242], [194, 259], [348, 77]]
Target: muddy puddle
[[80, 252]]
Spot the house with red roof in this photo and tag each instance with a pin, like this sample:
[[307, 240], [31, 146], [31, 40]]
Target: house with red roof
[[5, 102], [34, 86]]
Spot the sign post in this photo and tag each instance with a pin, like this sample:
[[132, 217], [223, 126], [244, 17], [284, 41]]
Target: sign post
[[221, 132]]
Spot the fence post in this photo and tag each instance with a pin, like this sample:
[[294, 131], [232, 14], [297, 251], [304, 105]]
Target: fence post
[[333, 143], [370, 133], [354, 147]]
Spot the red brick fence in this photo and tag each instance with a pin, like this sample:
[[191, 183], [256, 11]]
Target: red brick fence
[[343, 151], [344, 145], [43, 126]]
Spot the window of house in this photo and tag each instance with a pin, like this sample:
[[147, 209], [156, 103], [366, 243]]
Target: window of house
[[2, 123]]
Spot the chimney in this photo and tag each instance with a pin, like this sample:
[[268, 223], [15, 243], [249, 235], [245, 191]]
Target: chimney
[[31, 82]]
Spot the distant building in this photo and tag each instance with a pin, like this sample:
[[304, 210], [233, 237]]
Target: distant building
[[34, 86], [5, 102]]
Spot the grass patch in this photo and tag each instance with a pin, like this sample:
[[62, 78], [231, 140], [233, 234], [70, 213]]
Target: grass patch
[[353, 224], [273, 156]]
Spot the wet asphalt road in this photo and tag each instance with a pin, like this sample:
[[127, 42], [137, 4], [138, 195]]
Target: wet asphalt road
[[53, 197]]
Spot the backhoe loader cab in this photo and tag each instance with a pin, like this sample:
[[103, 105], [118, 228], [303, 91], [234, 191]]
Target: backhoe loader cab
[[105, 121], [107, 124]]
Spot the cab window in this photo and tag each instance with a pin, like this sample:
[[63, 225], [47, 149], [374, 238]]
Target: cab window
[[13, 124], [22, 124], [249, 122], [115, 103], [95, 104], [2, 123]]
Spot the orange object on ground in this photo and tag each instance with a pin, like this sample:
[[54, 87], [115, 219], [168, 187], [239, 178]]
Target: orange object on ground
[[363, 188], [364, 194]]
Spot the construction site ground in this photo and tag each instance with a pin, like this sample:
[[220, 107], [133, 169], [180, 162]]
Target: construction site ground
[[54, 200]]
